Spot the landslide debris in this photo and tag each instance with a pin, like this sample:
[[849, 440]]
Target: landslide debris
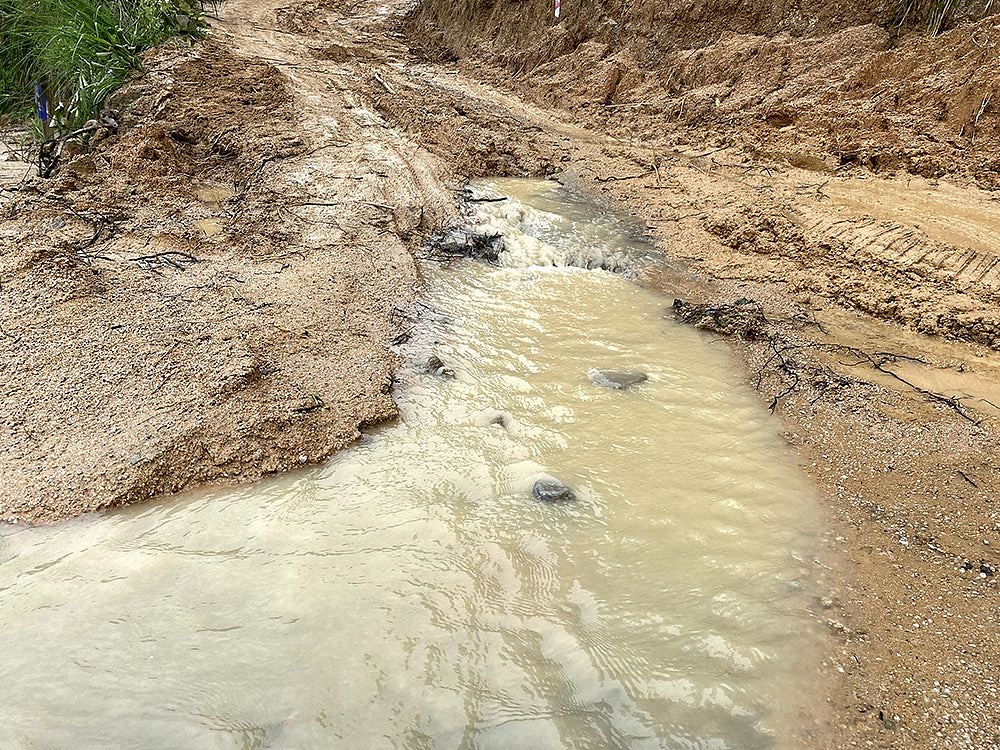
[[818, 84]]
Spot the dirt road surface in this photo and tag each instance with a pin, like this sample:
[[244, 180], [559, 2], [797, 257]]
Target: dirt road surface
[[210, 292]]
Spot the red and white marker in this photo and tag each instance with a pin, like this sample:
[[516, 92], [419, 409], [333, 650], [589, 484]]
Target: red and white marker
[[558, 6]]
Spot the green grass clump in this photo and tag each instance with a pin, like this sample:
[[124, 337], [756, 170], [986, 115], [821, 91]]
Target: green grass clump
[[80, 50], [938, 14]]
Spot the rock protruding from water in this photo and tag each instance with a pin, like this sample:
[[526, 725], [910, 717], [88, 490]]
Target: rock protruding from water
[[744, 317], [619, 380], [503, 419], [458, 242], [551, 490], [435, 366]]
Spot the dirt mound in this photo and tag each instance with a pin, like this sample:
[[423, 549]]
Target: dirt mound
[[171, 310]]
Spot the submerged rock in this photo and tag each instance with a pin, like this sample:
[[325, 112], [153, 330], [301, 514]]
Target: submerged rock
[[551, 490], [503, 419], [470, 244], [619, 380], [490, 417], [435, 366]]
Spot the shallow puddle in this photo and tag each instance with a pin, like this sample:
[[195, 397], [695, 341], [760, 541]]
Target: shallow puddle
[[963, 371], [413, 594]]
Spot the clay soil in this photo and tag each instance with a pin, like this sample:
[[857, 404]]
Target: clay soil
[[210, 289]]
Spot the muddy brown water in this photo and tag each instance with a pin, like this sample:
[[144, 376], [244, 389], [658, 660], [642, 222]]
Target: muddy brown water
[[411, 593]]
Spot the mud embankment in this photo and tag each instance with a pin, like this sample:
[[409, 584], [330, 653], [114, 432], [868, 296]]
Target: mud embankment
[[209, 288], [823, 85], [175, 309]]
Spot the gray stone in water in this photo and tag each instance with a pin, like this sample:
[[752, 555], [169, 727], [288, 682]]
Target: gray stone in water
[[435, 366], [502, 418], [618, 380], [552, 491]]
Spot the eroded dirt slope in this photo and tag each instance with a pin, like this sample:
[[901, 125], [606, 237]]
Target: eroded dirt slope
[[818, 83], [209, 295]]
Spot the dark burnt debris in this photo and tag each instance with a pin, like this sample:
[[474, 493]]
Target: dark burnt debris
[[465, 243], [744, 317]]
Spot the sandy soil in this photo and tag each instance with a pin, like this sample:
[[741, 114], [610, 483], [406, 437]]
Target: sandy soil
[[211, 292]]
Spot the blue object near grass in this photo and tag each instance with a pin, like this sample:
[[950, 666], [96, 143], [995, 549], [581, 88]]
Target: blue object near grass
[[41, 103], [61, 59]]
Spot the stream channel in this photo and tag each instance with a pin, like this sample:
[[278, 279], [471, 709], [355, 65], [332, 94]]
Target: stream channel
[[412, 593]]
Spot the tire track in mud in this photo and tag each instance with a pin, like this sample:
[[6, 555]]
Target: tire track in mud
[[899, 272], [908, 248], [903, 247]]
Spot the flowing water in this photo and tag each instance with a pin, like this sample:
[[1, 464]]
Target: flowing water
[[411, 593]]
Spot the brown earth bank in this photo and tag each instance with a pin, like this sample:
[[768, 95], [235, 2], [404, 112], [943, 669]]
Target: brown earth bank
[[209, 289], [822, 85], [175, 309]]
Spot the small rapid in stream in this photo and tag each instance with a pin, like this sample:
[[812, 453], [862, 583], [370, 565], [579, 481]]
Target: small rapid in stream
[[411, 593]]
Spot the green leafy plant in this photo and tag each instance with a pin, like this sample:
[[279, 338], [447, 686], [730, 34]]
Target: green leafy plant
[[79, 51]]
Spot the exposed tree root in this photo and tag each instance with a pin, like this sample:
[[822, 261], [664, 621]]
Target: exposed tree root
[[745, 319]]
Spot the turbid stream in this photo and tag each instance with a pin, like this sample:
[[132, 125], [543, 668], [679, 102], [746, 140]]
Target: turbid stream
[[412, 593]]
